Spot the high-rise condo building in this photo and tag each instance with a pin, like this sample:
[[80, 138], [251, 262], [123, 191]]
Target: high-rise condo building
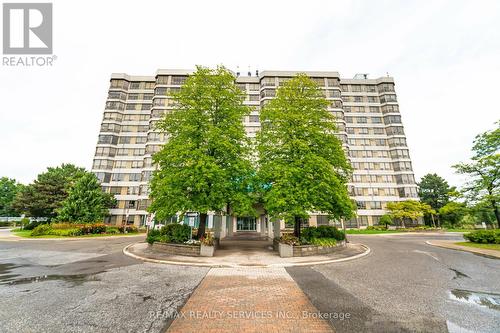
[[366, 110]]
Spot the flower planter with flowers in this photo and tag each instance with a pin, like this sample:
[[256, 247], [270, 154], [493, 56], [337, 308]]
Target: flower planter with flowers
[[207, 245]]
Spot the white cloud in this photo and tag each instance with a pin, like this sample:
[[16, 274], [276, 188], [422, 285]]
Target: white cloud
[[443, 55]]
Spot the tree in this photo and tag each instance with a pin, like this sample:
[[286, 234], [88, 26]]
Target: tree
[[8, 191], [484, 171], [434, 190], [453, 212], [86, 202], [302, 165], [385, 220], [409, 209], [204, 166], [45, 195]]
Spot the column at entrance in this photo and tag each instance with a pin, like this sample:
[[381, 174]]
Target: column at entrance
[[263, 225], [231, 221]]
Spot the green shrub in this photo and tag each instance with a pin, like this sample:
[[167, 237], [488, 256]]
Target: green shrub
[[484, 236], [42, 229], [32, 225], [323, 231], [112, 230], [175, 233], [324, 241], [153, 236], [66, 232]]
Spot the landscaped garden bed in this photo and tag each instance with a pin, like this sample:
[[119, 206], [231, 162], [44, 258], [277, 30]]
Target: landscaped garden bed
[[313, 241], [176, 239], [48, 230]]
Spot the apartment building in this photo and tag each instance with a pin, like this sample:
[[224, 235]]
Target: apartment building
[[366, 111]]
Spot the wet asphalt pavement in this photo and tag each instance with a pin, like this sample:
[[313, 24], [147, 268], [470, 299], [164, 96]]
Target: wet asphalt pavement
[[88, 286], [404, 285]]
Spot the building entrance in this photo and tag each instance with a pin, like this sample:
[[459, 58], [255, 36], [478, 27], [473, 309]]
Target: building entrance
[[246, 224]]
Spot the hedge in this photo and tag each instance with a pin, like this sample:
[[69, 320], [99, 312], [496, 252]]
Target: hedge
[[484, 236]]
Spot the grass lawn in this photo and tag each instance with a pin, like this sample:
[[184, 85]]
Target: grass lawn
[[458, 230], [27, 234], [369, 232], [481, 246]]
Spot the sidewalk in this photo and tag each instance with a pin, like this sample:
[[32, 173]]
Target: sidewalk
[[248, 300], [447, 244], [244, 256]]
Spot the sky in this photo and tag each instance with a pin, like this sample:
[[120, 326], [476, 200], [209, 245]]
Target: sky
[[444, 56]]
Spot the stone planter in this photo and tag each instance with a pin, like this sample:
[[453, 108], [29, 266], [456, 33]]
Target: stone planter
[[177, 249], [207, 251], [286, 251]]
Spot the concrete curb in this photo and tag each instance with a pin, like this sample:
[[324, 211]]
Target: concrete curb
[[483, 252], [181, 263]]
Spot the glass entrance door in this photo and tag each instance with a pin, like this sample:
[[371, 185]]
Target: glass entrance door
[[246, 224]]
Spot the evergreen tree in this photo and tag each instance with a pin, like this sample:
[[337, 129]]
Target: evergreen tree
[[86, 202], [45, 195]]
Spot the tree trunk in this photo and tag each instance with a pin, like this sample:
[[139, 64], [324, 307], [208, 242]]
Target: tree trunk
[[433, 223], [201, 226], [296, 226], [497, 212]]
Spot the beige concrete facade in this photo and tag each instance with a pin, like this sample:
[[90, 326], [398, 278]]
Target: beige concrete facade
[[366, 111]]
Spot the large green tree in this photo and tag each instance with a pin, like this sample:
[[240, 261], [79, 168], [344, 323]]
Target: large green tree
[[8, 190], [204, 166], [434, 190], [484, 171], [452, 213], [45, 195], [86, 202], [302, 165], [408, 210]]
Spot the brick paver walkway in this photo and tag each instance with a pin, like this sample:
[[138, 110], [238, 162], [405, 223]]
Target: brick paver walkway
[[248, 300]]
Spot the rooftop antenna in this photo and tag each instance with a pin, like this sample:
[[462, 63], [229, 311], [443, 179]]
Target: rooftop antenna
[[387, 73], [237, 70], [249, 73], [256, 72]]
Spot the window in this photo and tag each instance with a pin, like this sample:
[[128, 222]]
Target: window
[[102, 164], [332, 82], [268, 81], [361, 204], [254, 86], [118, 177], [322, 220], [162, 79], [253, 119], [178, 80], [134, 177], [108, 139]]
